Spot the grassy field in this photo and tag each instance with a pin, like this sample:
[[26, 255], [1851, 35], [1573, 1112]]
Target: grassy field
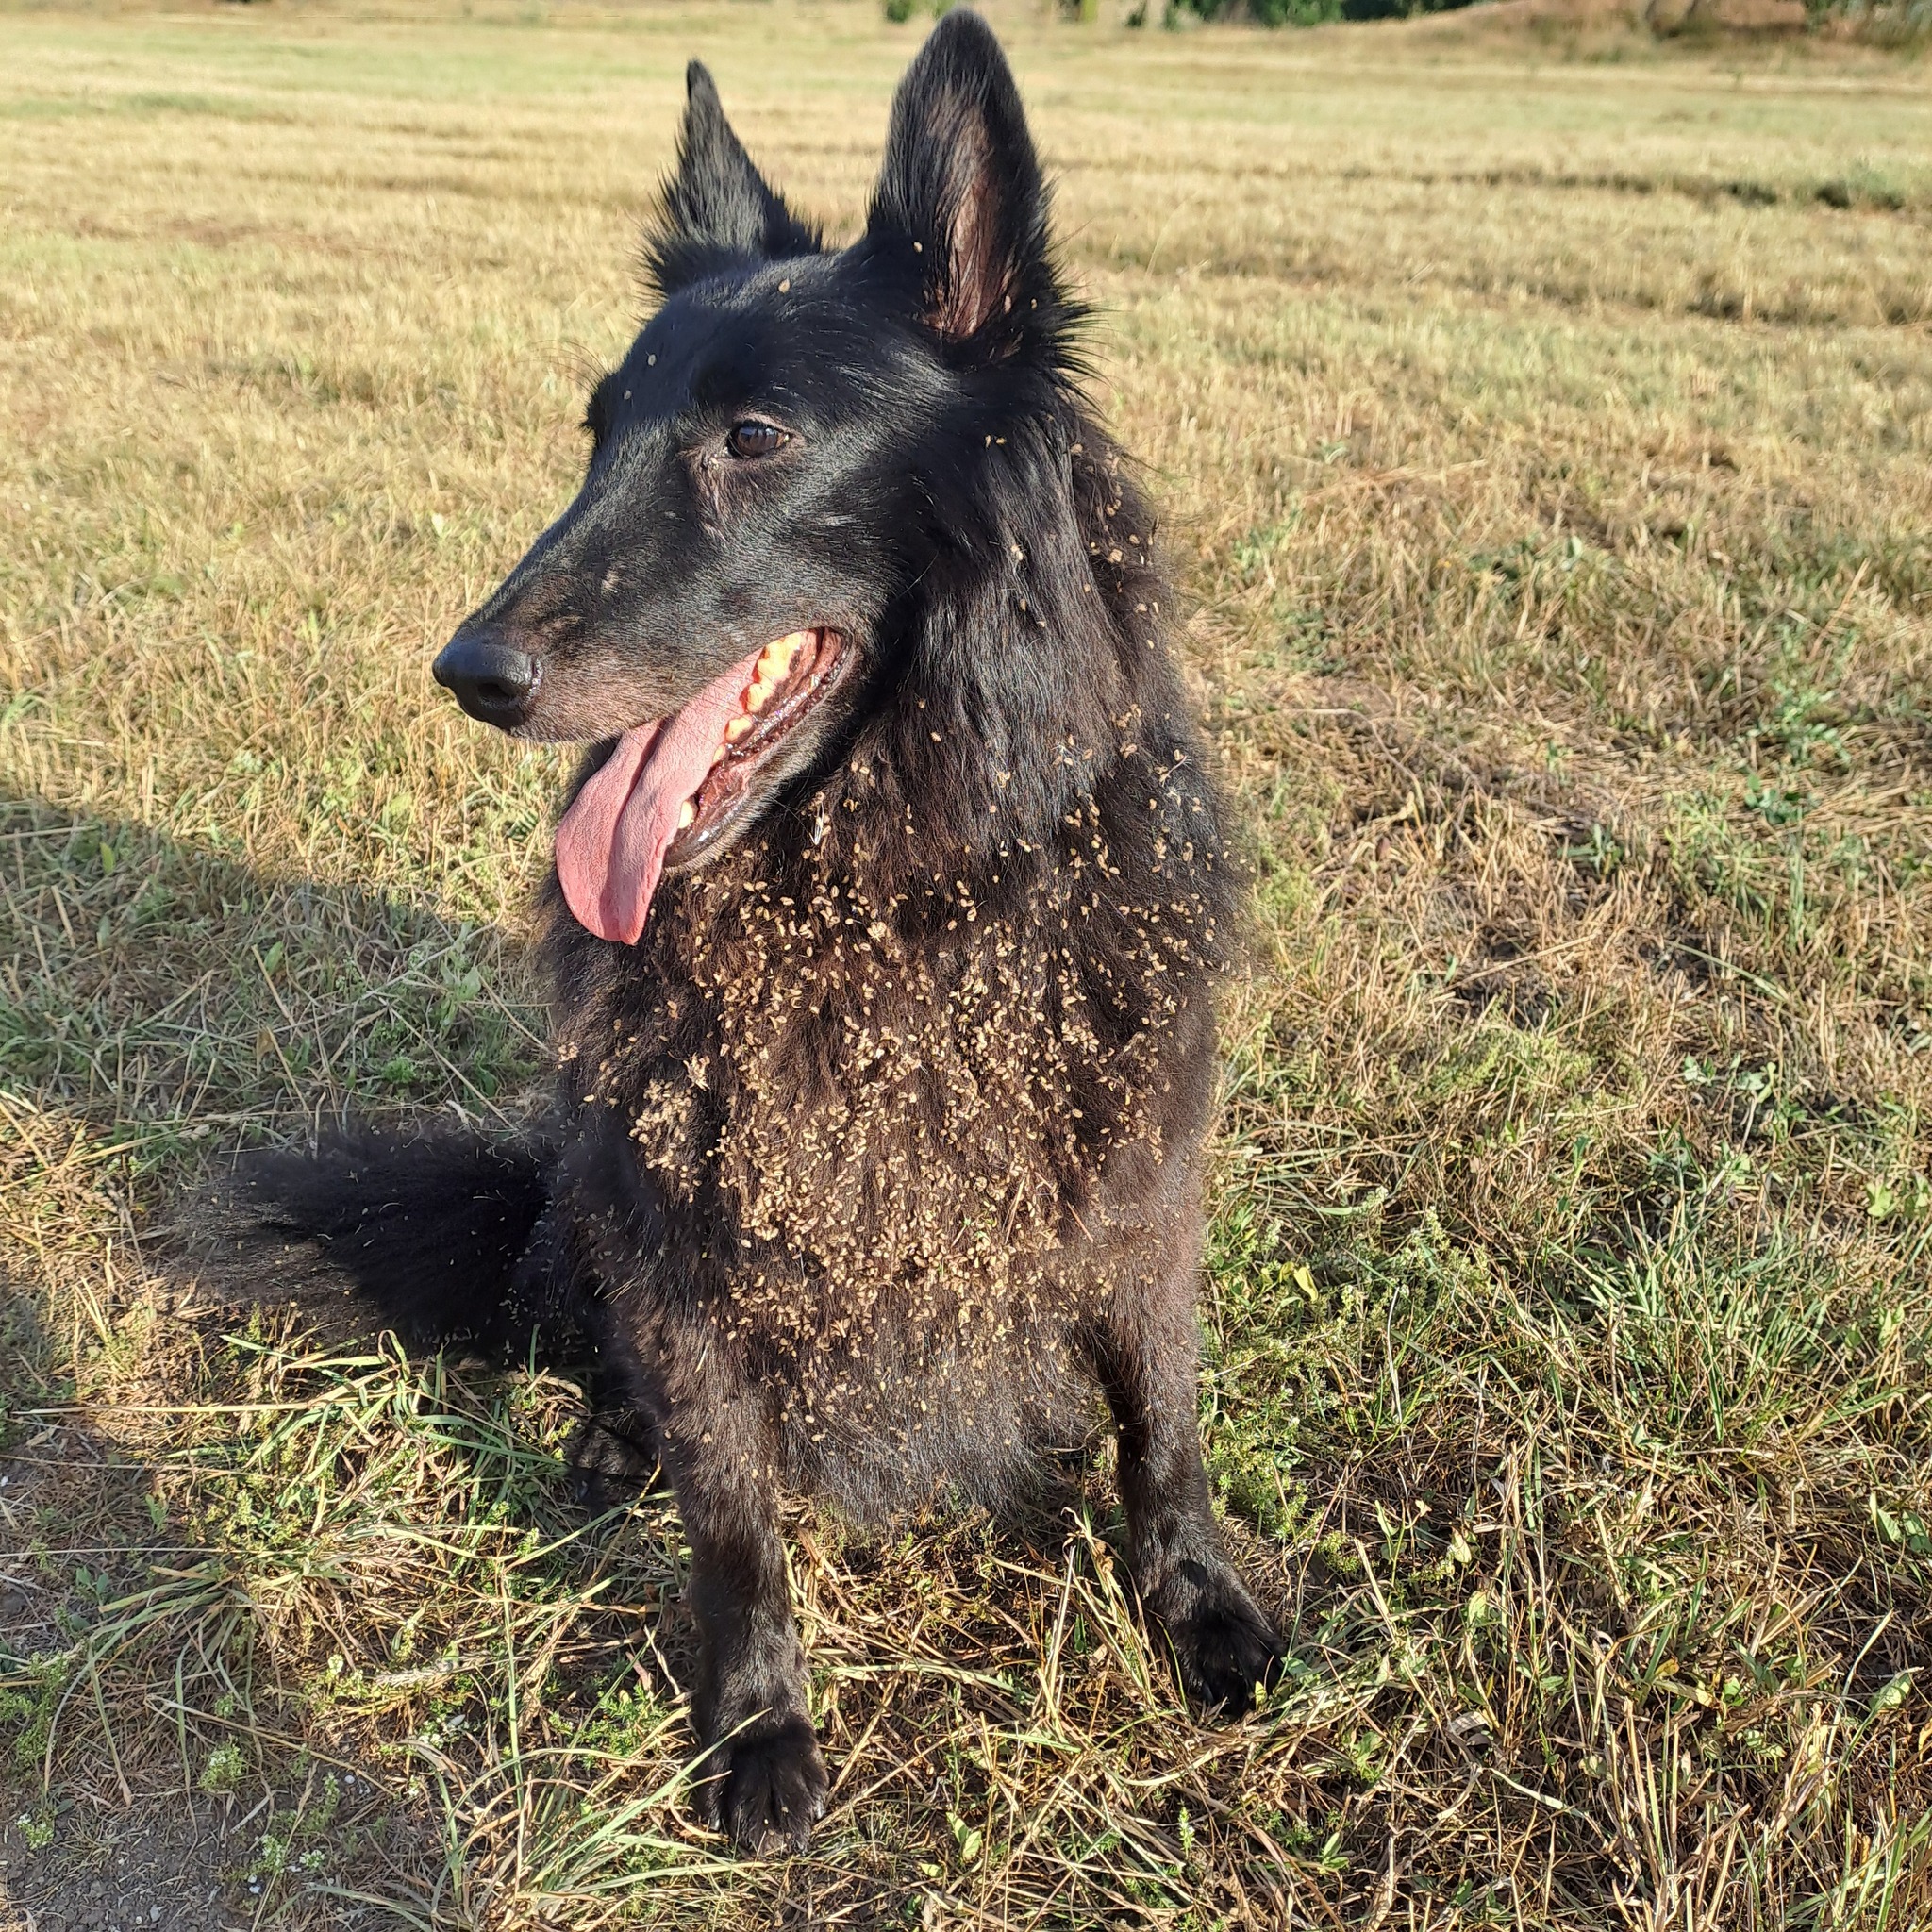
[[1545, 444]]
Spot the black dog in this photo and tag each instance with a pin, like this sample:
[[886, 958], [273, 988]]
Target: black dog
[[884, 936]]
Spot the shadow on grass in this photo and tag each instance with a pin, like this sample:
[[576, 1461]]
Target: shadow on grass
[[168, 993], [157, 1772]]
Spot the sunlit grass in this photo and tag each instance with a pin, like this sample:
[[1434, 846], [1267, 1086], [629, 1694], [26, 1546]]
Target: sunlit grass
[[1545, 448]]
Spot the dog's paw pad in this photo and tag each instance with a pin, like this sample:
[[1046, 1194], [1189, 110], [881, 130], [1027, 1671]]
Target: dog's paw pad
[[1225, 1647], [769, 1787]]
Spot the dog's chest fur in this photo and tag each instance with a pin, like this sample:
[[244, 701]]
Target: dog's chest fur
[[909, 1099]]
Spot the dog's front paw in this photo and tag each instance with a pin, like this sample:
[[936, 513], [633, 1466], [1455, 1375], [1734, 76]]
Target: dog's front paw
[[767, 1784], [1225, 1647]]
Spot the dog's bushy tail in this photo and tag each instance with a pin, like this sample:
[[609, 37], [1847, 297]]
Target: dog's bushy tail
[[439, 1232]]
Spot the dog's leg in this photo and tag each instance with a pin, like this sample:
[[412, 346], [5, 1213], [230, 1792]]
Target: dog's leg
[[614, 1455], [679, 1375], [764, 1781], [1148, 1361]]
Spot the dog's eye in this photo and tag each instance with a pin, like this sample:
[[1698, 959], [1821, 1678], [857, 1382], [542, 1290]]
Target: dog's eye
[[749, 440]]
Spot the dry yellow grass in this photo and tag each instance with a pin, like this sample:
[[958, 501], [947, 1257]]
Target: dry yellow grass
[[1546, 446]]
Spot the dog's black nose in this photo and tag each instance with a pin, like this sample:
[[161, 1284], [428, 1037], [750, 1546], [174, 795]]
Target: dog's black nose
[[490, 680]]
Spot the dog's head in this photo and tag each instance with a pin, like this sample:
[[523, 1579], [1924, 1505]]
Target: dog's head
[[776, 462]]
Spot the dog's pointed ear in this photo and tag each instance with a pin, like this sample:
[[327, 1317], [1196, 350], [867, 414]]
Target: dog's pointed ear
[[960, 184], [716, 209]]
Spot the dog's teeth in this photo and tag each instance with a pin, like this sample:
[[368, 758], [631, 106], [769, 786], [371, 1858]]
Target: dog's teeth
[[718, 757], [774, 660], [771, 671], [687, 812]]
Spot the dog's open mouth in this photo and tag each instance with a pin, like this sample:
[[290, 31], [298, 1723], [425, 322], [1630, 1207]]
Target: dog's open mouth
[[789, 677], [674, 786]]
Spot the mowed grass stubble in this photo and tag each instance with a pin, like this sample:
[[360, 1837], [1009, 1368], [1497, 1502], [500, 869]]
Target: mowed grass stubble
[[1544, 444]]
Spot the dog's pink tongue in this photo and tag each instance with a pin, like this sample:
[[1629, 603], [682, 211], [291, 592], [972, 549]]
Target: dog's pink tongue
[[611, 843]]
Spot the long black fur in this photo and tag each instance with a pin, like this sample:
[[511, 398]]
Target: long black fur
[[880, 1151]]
